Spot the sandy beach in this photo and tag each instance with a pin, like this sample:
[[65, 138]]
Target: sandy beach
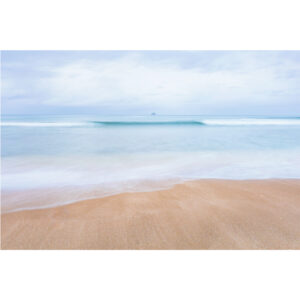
[[203, 214]]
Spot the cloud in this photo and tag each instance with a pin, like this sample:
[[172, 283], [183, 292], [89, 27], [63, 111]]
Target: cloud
[[137, 80]]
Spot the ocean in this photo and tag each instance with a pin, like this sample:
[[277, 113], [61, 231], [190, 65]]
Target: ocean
[[50, 160]]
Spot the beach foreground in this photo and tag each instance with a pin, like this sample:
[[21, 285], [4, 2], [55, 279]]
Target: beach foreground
[[203, 214]]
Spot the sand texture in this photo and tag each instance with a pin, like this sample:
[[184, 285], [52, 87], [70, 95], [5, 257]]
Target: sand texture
[[203, 214]]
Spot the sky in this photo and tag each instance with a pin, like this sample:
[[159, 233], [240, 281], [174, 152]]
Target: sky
[[142, 82]]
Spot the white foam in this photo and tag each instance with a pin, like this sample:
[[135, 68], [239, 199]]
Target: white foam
[[238, 122], [47, 172], [43, 124], [37, 182]]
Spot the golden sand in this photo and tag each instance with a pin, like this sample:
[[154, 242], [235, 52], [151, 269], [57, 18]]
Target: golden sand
[[203, 214]]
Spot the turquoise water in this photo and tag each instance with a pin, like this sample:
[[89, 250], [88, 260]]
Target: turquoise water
[[115, 154]]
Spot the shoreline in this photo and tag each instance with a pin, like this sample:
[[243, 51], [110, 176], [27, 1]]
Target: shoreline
[[164, 185], [199, 214], [46, 194]]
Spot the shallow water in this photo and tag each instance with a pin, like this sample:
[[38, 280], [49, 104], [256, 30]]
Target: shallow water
[[115, 154]]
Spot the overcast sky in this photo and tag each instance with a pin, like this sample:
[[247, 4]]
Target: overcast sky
[[141, 82]]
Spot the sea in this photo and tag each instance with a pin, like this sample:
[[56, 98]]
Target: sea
[[51, 160]]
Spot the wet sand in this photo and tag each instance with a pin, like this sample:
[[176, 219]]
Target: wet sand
[[203, 214]]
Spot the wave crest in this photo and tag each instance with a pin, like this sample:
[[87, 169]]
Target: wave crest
[[150, 123], [203, 122]]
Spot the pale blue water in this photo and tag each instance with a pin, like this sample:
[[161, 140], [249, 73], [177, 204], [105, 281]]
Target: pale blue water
[[113, 154]]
